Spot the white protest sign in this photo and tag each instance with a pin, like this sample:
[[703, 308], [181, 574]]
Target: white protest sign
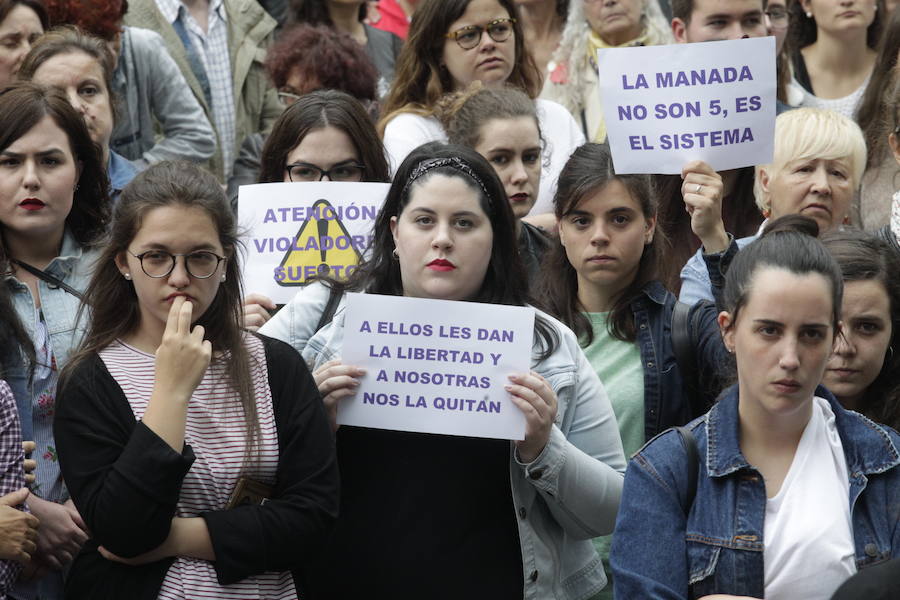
[[300, 230], [435, 366], [667, 105]]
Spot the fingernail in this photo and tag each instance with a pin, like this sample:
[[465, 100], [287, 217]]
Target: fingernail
[[508, 388]]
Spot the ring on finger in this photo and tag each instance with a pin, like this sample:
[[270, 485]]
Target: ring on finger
[[699, 187]]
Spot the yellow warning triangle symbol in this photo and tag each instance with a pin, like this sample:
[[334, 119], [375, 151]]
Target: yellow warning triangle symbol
[[323, 246]]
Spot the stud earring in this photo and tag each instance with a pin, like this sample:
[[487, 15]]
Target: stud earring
[[127, 276], [846, 220], [809, 15], [223, 277], [766, 213]]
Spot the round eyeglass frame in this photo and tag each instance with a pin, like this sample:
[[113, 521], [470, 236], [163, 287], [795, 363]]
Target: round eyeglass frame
[[454, 35], [187, 268]]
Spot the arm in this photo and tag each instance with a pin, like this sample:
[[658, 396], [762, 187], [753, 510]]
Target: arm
[[287, 530], [18, 529], [187, 133], [579, 472], [296, 322], [649, 554], [713, 360]]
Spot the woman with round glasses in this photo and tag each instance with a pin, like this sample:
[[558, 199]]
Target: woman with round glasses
[[451, 44], [53, 207], [215, 437]]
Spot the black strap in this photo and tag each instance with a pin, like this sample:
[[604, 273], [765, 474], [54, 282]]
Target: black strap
[[334, 298], [683, 346], [54, 281], [693, 459]]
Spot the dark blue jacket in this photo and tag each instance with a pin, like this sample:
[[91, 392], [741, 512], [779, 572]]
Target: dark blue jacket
[[666, 402]]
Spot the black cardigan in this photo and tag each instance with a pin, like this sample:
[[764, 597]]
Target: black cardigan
[[125, 481]]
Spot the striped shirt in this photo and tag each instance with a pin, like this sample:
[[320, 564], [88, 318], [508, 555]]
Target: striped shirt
[[216, 431]]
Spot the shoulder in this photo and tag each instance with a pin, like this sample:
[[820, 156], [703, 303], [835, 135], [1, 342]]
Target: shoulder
[[410, 121], [143, 40]]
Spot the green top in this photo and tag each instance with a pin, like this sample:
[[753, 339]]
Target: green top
[[619, 366]]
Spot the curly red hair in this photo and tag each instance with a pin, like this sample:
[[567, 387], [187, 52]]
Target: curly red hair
[[100, 18], [327, 59]]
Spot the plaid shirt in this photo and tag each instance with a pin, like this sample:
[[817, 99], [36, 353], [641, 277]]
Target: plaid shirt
[[212, 50], [12, 474]]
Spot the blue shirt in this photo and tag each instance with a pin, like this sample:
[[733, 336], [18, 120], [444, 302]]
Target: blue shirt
[[121, 171]]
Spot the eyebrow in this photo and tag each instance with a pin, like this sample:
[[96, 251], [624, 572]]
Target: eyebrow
[[780, 324], [752, 13], [458, 213], [41, 153], [197, 248]]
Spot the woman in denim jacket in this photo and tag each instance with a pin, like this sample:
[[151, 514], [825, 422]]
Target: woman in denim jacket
[[795, 494], [449, 517], [54, 206], [601, 280]]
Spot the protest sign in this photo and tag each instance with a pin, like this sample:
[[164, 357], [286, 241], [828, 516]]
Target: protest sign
[[667, 105], [435, 366], [300, 230]]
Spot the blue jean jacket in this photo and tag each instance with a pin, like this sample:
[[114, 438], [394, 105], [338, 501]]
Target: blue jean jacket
[[659, 553], [665, 402], [72, 266]]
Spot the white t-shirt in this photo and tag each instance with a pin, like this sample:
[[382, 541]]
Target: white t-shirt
[[407, 131], [808, 534]]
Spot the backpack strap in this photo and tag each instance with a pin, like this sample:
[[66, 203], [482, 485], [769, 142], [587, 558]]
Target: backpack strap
[[334, 298], [54, 281], [683, 346], [693, 459]]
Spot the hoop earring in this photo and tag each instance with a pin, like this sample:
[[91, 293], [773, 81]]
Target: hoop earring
[[890, 354], [395, 254]]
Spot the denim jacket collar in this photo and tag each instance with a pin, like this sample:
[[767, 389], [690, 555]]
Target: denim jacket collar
[[654, 291], [871, 450], [70, 254]]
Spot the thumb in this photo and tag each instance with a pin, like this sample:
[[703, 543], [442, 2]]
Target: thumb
[[14, 498]]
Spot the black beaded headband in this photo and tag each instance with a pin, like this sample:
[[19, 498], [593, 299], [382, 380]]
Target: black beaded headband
[[454, 163]]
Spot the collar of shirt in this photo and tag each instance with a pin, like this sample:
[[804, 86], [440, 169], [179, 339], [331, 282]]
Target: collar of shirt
[[171, 9]]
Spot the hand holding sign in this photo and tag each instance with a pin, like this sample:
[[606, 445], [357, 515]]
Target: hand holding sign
[[537, 401], [702, 190], [336, 381]]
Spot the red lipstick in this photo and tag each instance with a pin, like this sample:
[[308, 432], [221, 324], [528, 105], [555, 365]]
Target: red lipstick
[[32, 204], [440, 264]]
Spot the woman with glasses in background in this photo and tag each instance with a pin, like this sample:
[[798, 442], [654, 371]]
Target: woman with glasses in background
[[324, 136], [451, 44]]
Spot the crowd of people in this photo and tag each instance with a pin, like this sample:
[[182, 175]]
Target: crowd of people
[[712, 404]]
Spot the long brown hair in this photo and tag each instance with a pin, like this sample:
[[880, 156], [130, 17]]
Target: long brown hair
[[589, 169], [873, 112], [420, 81], [112, 299]]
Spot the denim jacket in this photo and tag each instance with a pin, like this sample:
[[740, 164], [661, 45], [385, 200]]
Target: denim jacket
[[566, 496], [658, 553], [72, 266], [665, 402]]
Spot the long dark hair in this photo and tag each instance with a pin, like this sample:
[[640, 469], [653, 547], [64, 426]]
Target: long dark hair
[[112, 299], [505, 281], [873, 112], [14, 340], [22, 106], [323, 108], [589, 169], [787, 243], [866, 257], [315, 12], [420, 81]]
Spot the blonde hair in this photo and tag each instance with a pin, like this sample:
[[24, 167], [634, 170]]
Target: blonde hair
[[806, 133], [574, 39]]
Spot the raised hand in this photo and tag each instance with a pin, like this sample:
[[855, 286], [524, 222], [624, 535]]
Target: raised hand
[[183, 355], [702, 189], [256, 311]]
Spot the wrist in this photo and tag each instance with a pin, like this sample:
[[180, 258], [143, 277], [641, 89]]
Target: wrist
[[716, 242]]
